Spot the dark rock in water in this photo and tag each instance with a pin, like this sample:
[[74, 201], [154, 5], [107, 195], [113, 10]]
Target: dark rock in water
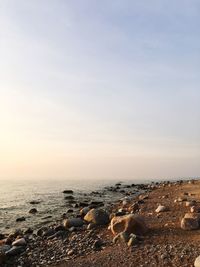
[[97, 216], [49, 232], [83, 204], [47, 217], [15, 251], [57, 234], [2, 236], [70, 211], [72, 202], [118, 184], [41, 231], [75, 205], [68, 192], [34, 202], [59, 228], [28, 231], [122, 191], [97, 203], [69, 197], [21, 219], [33, 211], [76, 222]]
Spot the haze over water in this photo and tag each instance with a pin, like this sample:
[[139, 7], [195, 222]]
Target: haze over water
[[99, 90]]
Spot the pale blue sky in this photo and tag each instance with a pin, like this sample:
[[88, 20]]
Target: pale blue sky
[[99, 89]]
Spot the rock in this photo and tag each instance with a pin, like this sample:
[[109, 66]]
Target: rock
[[190, 203], [33, 211], [181, 199], [59, 228], [195, 209], [68, 192], [14, 251], [35, 202], [96, 203], [189, 224], [2, 236], [42, 230], [76, 222], [91, 226], [21, 219], [129, 223], [28, 231], [97, 244], [70, 211], [161, 208], [70, 252], [97, 216], [135, 207], [132, 240], [69, 197], [19, 242], [197, 262], [83, 204], [84, 211]]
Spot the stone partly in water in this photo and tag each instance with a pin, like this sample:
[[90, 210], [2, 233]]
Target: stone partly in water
[[33, 211], [21, 219], [197, 262], [69, 197], [14, 251], [84, 211], [73, 222], [35, 202], [129, 223], [68, 192], [97, 216]]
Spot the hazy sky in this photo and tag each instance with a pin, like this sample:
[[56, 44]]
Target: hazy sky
[[99, 89]]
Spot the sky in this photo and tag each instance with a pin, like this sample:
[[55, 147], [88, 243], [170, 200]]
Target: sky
[[99, 89]]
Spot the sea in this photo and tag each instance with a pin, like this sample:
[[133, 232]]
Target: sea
[[16, 195]]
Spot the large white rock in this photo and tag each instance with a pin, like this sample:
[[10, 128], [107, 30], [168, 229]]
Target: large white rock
[[197, 262]]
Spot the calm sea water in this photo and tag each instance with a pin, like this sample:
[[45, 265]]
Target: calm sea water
[[15, 197], [15, 200]]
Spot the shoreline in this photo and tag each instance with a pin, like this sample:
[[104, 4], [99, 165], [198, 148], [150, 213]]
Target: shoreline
[[93, 244]]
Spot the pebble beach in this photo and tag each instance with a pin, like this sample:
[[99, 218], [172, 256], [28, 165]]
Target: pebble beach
[[153, 224]]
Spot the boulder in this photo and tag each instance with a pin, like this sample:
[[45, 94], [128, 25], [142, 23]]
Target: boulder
[[97, 216], [3, 250], [14, 251], [161, 208], [197, 262], [73, 222], [189, 222], [19, 242], [129, 223]]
